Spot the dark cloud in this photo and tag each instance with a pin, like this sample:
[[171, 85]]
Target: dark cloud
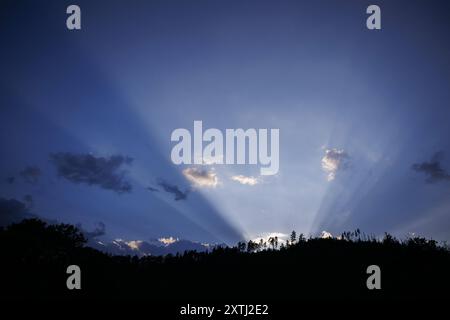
[[175, 190], [433, 169], [10, 180], [12, 211], [31, 174], [152, 189], [99, 230], [101, 171], [28, 200]]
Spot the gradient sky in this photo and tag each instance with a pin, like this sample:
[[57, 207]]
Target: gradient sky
[[377, 100]]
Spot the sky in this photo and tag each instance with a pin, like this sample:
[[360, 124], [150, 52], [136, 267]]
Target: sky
[[86, 116]]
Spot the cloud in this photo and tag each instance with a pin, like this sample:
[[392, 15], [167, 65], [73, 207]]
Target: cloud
[[29, 202], [99, 230], [101, 171], [143, 248], [175, 190], [251, 181], [433, 169], [152, 189], [201, 177], [334, 161], [13, 211], [326, 235], [282, 237], [167, 241], [10, 180], [30, 174]]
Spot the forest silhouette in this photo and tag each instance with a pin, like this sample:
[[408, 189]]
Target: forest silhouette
[[35, 256]]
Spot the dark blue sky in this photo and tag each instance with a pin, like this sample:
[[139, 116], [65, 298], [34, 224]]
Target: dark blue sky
[[362, 115]]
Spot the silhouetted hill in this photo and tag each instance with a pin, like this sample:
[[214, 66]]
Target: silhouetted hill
[[35, 257]]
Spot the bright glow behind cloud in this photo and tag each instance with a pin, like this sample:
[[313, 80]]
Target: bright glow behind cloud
[[168, 240], [201, 177], [134, 244], [326, 235], [251, 181], [282, 237], [333, 161]]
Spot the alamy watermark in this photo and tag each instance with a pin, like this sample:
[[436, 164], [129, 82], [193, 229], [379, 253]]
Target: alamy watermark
[[235, 146], [74, 280]]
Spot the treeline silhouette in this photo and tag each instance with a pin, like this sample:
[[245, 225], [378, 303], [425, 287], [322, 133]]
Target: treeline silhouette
[[35, 255]]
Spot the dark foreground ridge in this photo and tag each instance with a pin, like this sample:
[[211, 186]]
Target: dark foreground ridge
[[35, 257]]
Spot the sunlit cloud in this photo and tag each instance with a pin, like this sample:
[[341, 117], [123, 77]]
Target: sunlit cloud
[[201, 177], [281, 237], [251, 181], [333, 161], [134, 244], [168, 240], [326, 235]]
